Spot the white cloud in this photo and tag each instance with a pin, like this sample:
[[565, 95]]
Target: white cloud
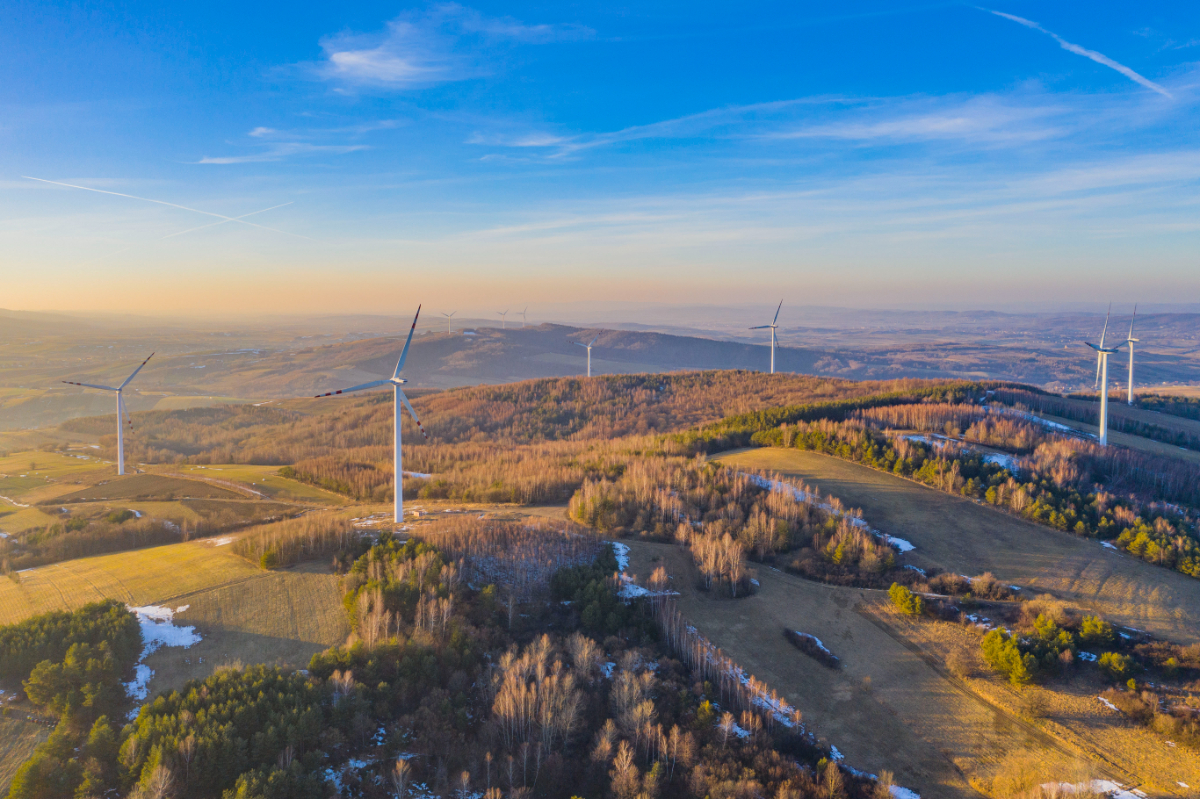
[[446, 44], [1099, 58]]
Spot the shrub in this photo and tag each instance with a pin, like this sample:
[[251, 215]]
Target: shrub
[[1116, 665], [1002, 653], [269, 560], [906, 600], [119, 516], [1095, 631]]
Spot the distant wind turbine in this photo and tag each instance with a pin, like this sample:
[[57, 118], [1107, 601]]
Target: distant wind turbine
[[448, 315], [398, 397], [523, 319], [1130, 341], [588, 347], [772, 327], [122, 413], [1102, 354], [503, 319]]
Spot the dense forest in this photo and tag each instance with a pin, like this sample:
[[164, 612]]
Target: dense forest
[[556, 409], [721, 515], [444, 691]]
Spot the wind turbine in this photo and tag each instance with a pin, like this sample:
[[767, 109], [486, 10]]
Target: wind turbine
[[396, 381], [588, 347], [773, 327], [121, 412], [523, 319], [448, 315], [1102, 354], [1130, 341], [503, 319]]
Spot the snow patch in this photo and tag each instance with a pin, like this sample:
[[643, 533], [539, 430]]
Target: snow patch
[[903, 793], [1108, 704], [1002, 460], [223, 541], [1103, 787], [804, 496], [137, 514], [1109, 546], [622, 553], [157, 631], [421, 475], [834, 754]]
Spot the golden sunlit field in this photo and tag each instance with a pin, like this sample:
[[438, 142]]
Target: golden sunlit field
[[894, 703]]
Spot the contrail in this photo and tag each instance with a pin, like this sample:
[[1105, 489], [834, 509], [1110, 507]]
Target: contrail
[[223, 221], [172, 205], [1099, 58]]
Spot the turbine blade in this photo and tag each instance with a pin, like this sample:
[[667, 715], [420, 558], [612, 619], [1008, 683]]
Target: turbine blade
[[776, 319], [135, 371], [90, 385], [1099, 358], [408, 405], [759, 327], [372, 384], [1131, 321], [1104, 332], [597, 338], [581, 344], [404, 352]]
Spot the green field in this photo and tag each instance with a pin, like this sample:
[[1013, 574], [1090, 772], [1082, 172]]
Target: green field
[[281, 618], [958, 535], [18, 738], [266, 481], [141, 577]]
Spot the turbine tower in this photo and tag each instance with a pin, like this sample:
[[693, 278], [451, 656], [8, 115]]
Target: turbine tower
[[122, 413], [448, 315], [588, 347], [1102, 354], [523, 319], [503, 319], [773, 327], [1130, 341], [398, 397]]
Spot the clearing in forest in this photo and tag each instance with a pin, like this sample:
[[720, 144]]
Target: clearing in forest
[[965, 537], [894, 704], [18, 738]]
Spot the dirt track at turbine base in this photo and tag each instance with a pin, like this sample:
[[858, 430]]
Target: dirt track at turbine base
[[959, 535]]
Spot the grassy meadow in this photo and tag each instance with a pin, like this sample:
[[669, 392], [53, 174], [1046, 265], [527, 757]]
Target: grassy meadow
[[964, 537], [18, 738]]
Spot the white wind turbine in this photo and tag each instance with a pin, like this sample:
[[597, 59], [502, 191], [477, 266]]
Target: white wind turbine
[[503, 319], [448, 315], [523, 319], [773, 327], [1102, 354], [396, 381], [121, 412], [588, 347], [1130, 341]]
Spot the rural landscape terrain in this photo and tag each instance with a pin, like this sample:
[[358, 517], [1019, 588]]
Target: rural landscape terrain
[[712, 582]]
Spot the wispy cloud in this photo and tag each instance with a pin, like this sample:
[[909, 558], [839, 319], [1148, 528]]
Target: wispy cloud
[[282, 150], [443, 45], [1099, 58]]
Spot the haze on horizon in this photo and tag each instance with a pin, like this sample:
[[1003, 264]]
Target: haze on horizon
[[349, 159]]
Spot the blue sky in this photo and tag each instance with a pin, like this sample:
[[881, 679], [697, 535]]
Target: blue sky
[[858, 153]]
